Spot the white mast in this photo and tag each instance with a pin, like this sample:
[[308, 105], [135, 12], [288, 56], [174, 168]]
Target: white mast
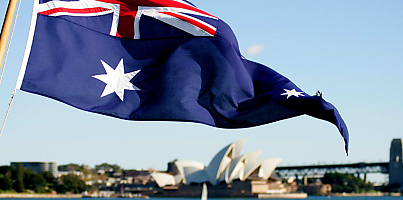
[[204, 192]]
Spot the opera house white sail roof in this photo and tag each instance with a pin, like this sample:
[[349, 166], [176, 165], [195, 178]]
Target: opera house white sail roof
[[227, 165]]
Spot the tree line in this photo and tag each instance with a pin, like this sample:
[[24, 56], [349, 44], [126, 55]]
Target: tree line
[[347, 183], [19, 179]]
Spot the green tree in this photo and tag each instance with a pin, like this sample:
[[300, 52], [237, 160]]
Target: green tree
[[34, 181], [51, 181], [108, 167], [6, 183], [346, 183], [19, 178], [69, 167], [71, 183], [6, 169]]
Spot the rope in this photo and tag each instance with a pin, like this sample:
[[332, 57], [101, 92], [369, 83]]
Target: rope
[[9, 43], [4, 65], [8, 110]]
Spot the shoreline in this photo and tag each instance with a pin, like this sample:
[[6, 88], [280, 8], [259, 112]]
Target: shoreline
[[375, 194], [41, 196], [78, 196]]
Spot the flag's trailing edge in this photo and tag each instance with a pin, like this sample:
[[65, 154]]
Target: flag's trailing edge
[[156, 60]]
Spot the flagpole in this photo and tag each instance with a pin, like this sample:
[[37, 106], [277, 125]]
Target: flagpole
[[5, 31], [5, 34]]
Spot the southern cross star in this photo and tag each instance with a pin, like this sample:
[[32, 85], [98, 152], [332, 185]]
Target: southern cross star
[[116, 80], [292, 92]]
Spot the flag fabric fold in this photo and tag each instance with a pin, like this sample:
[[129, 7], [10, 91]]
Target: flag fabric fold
[[156, 60]]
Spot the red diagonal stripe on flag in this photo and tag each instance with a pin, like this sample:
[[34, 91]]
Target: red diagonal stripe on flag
[[156, 3], [74, 10], [192, 21]]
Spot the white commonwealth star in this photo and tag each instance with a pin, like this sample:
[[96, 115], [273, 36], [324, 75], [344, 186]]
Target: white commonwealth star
[[292, 92], [116, 80]]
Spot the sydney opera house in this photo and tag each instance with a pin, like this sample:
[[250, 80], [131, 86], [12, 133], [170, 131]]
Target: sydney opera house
[[229, 174]]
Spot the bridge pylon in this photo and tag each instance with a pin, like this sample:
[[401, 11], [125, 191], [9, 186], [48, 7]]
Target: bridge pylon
[[396, 163]]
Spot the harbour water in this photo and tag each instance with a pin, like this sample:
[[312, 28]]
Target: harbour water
[[309, 198]]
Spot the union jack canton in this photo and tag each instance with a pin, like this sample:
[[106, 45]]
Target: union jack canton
[[126, 15]]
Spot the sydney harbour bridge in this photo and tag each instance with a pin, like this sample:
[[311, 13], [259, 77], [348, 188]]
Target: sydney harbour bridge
[[319, 170], [393, 168]]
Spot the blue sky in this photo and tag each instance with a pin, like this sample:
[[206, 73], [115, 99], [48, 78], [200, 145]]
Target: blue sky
[[350, 50]]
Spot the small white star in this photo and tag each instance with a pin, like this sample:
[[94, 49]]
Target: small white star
[[116, 80], [292, 92]]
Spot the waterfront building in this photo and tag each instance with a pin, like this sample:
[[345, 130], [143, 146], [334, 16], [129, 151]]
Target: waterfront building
[[229, 174], [138, 177], [396, 163], [39, 167]]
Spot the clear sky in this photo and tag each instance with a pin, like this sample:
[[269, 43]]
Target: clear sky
[[352, 51]]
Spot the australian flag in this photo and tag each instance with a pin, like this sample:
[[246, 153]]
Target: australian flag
[[156, 60]]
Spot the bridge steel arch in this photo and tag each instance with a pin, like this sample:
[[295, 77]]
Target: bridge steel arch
[[320, 170]]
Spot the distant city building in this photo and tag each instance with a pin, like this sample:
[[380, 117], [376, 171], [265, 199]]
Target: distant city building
[[396, 163], [64, 173], [138, 177], [39, 167]]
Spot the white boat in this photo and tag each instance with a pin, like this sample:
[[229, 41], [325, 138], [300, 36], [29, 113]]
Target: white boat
[[204, 192]]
